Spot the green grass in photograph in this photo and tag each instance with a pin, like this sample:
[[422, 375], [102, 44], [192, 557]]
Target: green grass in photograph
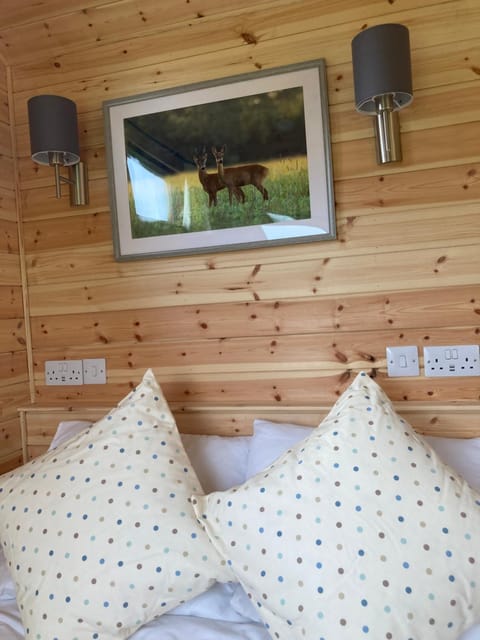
[[287, 185]]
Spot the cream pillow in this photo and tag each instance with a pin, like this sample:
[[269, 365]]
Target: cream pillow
[[99, 534], [358, 531]]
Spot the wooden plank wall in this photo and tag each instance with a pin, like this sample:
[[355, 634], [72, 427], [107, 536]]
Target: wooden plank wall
[[285, 325], [13, 361]]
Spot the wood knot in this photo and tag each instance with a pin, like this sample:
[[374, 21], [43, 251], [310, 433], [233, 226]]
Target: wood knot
[[249, 38]]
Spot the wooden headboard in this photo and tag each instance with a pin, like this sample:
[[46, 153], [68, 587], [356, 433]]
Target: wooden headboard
[[459, 420]]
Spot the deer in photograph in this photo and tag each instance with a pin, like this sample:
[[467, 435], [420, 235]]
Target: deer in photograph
[[210, 182], [236, 177]]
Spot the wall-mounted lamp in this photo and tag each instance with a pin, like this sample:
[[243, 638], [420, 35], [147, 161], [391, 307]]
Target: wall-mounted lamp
[[54, 142], [383, 83]]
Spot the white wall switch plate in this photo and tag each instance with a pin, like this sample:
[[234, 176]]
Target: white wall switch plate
[[63, 372], [94, 371], [402, 361], [457, 360]]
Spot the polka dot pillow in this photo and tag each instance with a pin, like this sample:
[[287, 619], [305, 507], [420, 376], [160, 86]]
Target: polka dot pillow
[[100, 534], [358, 532]]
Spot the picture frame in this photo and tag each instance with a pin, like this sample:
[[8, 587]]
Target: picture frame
[[234, 163]]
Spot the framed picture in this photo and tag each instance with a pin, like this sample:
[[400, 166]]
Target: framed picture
[[236, 163]]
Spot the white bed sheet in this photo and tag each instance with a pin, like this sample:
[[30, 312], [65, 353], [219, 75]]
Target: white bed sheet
[[10, 626]]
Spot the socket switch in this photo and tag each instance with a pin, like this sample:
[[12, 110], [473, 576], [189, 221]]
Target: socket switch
[[402, 361], [94, 371], [457, 360], [63, 372]]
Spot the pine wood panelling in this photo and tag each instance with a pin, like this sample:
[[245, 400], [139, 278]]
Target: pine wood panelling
[[7, 204], [455, 307], [422, 114], [193, 39], [4, 118], [12, 334], [10, 438], [13, 358], [86, 29], [418, 269], [9, 269], [284, 326], [8, 236], [14, 390], [444, 147], [295, 387], [11, 307], [352, 350], [7, 178], [18, 12]]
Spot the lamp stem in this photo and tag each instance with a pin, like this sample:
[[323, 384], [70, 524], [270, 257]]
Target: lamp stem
[[387, 130], [58, 188], [78, 184]]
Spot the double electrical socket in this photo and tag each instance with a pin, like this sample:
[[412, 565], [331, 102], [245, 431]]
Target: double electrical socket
[[460, 360], [443, 361], [76, 372]]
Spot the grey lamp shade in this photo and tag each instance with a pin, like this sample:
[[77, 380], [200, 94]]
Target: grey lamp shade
[[53, 129], [381, 65]]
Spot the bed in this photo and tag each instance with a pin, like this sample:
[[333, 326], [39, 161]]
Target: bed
[[357, 528]]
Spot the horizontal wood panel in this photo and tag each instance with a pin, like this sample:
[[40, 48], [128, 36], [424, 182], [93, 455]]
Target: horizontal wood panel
[[105, 21], [271, 388], [5, 137], [7, 177], [11, 297], [405, 270], [455, 307], [436, 23], [10, 269], [434, 107], [18, 12], [278, 370], [10, 437], [424, 149], [7, 204], [328, 350], [14, 392], [357, 235], [12, 334], [9, 237], [184, 36], [280, 388], [13, 367]]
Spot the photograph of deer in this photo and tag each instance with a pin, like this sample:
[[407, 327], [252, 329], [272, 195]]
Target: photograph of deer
[[266, 171], [212, 182], [235, 177], [234, 159]]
